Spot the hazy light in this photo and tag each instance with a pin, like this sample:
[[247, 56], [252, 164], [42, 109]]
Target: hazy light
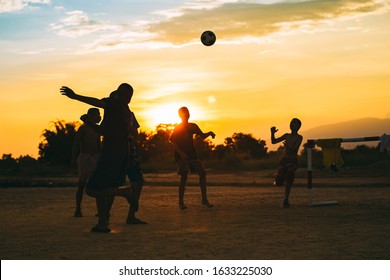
[[168, 114], [211, 99]]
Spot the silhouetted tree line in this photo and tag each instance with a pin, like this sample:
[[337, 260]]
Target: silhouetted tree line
[[56, 147]]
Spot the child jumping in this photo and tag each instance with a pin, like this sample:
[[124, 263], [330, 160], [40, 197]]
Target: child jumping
[[186, 156], [289, 162]]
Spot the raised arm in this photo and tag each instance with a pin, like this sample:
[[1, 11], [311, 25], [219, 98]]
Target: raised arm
[[85, 99], [203, 135], [275, 140]]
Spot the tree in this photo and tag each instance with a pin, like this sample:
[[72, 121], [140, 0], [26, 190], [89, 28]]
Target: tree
[[56, 147], [220, 151], [229, 144], [158, 144], [204, 147], [246, 144], [142, 145], [8, 162], [27, 161]]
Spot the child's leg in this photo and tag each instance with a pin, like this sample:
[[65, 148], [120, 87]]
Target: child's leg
[[287, 190], [280, 176], [110, 202], [126, 192], [182, 186], [102, 226], [79, 198], [203, 187], [290, 176], [197, 167], [131, 219]]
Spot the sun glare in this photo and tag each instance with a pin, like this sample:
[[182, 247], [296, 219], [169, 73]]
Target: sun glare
[[168, 114]]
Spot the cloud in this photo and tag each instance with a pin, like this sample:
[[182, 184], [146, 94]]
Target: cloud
[[233, 21], [78, 23], [7, 6], [253, 19]]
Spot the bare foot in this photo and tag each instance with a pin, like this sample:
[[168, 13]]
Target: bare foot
[[101, 229], [207, 204], [78, 213]]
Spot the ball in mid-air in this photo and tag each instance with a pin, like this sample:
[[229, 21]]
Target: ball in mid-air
[[208, 38]]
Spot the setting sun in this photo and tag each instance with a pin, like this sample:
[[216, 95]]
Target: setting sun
[[168, 114], [325, 62]]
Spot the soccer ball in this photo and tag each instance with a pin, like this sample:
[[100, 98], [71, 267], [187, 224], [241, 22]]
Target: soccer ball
[[208, 38]]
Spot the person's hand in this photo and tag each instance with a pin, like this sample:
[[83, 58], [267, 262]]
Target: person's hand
[[273, 129], [212, 134], [68, 92]]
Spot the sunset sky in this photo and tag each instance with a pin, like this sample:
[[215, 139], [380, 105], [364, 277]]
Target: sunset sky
[[321, 61]]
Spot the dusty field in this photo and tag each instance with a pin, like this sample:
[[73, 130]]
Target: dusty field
[[247, 222]]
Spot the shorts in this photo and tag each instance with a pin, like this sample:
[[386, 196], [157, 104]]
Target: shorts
[[195, 166], [86, 164], [108, 172], [286, 171]]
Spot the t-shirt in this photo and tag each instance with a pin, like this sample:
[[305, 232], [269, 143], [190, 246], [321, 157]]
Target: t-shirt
[[115, 126], [182, 136]]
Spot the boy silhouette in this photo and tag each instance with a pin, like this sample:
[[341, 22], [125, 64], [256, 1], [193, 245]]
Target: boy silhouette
[[186, 156], [105, 180], [289, 162], [133, 169], [85, 154]]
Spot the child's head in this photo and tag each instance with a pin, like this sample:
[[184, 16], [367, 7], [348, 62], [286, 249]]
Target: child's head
[[295, 124], [184, 113], [94, 115], [124, 93]]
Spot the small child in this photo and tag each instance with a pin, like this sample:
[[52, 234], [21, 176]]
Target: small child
[[289, 162], [103, 183], [85, 154], [186, 156]]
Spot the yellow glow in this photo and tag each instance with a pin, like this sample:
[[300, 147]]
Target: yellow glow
[[168, 114], [257, 75]]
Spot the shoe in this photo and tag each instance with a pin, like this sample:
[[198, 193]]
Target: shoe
[[286, 204]]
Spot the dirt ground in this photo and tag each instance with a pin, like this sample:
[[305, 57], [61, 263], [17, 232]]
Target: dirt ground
[[246, 222]]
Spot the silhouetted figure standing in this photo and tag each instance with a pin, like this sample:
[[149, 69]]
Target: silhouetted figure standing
[[186, 156], [289, 162], [105, 181], [132, 170], [85, 154]]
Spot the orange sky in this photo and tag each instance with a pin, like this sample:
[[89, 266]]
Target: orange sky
[[321, 62]]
